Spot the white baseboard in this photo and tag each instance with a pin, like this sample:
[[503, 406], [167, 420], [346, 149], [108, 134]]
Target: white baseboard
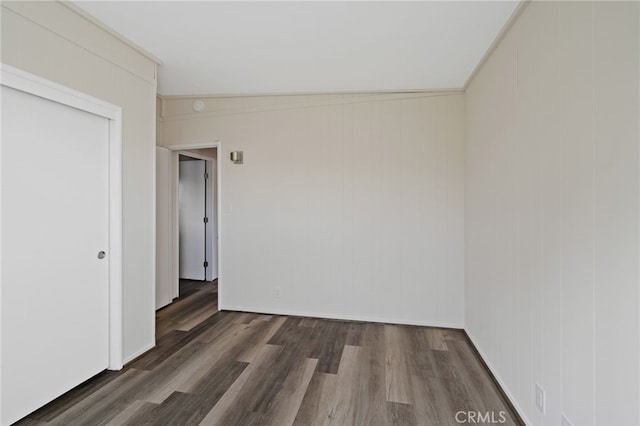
[[138, 353], [504, 387], [343, 317]]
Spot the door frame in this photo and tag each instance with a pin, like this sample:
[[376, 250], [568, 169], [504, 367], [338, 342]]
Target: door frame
[[175, 151], [38, 86], [164, 281]]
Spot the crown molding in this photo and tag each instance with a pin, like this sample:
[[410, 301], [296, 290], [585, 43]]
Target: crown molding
[[84, 14], [522, 5]]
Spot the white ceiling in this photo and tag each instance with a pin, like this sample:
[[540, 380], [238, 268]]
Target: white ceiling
[[289, 47]]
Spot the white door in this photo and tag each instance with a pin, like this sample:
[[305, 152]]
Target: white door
[[54, 223], [164, 289], [212, 224], [192, 213]]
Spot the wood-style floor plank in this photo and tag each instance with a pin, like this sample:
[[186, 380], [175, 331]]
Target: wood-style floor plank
[[103, 405], [345, 399], [241, 368], [372, 394], [136, 409], [316, 406], [397, 365], [432, 404], [261, 361], [401, 414]]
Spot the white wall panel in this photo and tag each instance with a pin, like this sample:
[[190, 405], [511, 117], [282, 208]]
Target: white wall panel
[[576, 77], [351, 206], [616, 280], [552, 211]]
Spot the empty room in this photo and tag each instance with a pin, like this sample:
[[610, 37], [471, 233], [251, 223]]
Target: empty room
[[320, 213]]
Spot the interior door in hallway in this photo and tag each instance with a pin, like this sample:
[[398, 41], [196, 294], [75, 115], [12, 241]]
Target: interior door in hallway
[[192, 213], [55, 254]]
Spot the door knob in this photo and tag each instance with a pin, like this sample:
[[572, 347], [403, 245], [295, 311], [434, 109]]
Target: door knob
[[101, 254]]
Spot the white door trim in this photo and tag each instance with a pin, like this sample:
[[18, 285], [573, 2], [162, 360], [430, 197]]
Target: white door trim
[[175, 150], [29, 83], [164, 220]]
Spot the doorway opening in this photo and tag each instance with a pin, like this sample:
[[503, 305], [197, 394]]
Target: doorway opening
[[196, 212], [188, 220]]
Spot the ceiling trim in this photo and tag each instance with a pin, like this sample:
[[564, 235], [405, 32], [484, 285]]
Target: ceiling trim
[[305, 104], [79, 11], [522, 5], [347, 92]]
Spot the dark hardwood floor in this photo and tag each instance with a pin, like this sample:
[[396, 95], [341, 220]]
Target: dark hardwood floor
[[234, 368]]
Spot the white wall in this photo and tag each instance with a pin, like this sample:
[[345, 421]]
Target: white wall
[[552, 193], [351, 205], [50, 40]]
